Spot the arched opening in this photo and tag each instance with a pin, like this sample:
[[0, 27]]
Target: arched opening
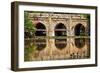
[[40, 33], [40, 30], [79, 31], [60, 32]]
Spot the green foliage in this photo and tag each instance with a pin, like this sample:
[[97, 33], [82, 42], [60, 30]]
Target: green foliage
[[28, 23], [86, 16], [88, 26], [29, 27]]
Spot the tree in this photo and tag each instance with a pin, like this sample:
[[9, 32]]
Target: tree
[[28, 25], [87, 16], [30, 31]]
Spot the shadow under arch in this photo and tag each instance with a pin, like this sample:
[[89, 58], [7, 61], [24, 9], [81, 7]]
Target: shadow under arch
[[60, 31]]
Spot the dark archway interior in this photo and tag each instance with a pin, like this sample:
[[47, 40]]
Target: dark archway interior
[[60, 31], [79, 31], [40, 31]]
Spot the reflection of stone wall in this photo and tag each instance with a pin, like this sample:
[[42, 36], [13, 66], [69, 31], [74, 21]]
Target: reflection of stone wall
[[50, 20]]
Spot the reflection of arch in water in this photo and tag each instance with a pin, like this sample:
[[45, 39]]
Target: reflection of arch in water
[[60, 31], [40, 31], [79, 31]]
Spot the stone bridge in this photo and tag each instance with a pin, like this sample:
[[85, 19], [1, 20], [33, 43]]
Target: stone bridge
[[62, 25]]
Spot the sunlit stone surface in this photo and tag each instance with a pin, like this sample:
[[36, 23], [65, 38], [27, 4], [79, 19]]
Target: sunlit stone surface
[[59, 25]]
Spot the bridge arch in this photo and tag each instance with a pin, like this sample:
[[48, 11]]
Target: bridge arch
[[79, 31], [40, 32], [60, 32]]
